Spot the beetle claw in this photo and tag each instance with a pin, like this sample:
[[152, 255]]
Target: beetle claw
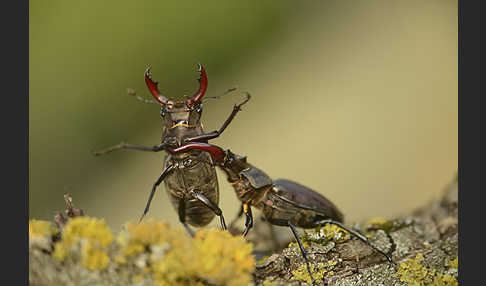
[[147, 71]]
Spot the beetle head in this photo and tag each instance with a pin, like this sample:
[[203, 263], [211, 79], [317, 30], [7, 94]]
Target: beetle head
[[234, 161], [180, 113]]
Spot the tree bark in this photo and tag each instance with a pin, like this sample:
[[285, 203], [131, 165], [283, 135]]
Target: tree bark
[[423, 246]]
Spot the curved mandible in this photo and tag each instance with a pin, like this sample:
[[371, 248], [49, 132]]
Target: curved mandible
[[203, 85], [152, 86]]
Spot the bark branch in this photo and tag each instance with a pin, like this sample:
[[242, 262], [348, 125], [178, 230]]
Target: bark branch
[[430, 232], [424, 246]]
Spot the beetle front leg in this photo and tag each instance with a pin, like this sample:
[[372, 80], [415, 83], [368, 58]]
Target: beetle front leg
[[302, 250], [355, 233], [284, 222], [164, 174], [249, 218], [214, 207], [216, 133], [124, 145]]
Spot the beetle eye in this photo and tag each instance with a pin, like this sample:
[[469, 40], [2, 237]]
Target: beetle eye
[[162, 112]]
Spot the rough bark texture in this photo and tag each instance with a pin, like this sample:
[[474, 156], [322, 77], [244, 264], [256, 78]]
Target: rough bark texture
[[424, 246]]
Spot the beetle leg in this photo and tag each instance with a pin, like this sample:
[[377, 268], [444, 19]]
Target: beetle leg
[[355, 233], [216, 133], [217, 153], [249, 218], [164, 174], [214, 207], [182, 216], [124, 145], [282, 222], [302, 250]]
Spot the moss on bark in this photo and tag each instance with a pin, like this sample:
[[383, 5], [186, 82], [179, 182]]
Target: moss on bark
[[83, 251]]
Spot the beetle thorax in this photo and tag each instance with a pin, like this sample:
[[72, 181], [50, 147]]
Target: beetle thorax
[[180, 122]]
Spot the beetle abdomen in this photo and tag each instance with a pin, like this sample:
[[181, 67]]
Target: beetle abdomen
[[289, 201], [197, 176], [198, 214], [307, 198]]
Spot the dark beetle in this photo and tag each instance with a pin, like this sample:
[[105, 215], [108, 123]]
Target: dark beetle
[[282, 202], [189, 176]]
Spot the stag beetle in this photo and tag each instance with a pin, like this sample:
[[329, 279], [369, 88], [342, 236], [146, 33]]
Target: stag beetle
[[189, 177], [282, 202]]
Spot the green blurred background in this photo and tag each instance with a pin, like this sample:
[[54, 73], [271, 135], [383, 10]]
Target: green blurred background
[[355, 99]]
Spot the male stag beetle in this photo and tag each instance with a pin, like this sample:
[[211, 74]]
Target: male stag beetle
[[189, 177], [282, 202]]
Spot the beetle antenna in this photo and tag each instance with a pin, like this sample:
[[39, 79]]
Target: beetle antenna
[[132, 92], [224, 93]]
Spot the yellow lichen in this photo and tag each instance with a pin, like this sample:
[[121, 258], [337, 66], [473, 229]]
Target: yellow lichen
[[268, 283], [60, 251], [454, 263], [331, 262], [384, 224], [178, 262], [213, 256], [137, 278], [445, 280], [153, 249], [335, 233], [325, 233], [40, 228], [41, 234], [136, 238], [324, 269], [302, 274], [94, 258], [120, 259], [162, 247], [147, 269], [263, 259], [414, 273], [377, 221], [91, 235], [227, 259], [305, 244], [92, 229]]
